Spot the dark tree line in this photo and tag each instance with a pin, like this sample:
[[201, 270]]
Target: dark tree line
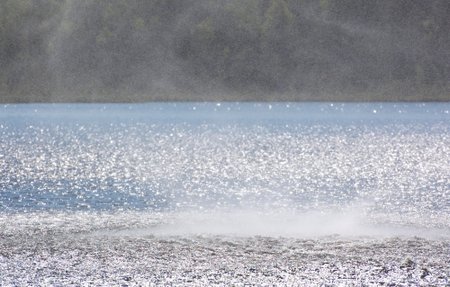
[[140, 50]]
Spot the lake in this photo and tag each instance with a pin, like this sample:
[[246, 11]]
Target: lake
[[225, 193]]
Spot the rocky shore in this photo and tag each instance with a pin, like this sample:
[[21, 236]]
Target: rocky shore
[[61, 252]]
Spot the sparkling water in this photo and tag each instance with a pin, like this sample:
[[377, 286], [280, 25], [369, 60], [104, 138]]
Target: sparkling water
[[212, 174]]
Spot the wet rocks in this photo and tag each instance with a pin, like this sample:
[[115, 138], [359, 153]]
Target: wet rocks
[[97, 259]]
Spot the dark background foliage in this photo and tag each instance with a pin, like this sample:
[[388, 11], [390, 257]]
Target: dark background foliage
[[143, 50]]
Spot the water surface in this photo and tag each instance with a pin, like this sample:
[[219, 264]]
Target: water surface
[[79, 179]]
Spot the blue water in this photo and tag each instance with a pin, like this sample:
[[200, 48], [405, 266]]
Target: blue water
[[383, 158], [235, 112]]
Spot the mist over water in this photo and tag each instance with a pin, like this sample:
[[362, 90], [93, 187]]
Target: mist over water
[[346, 223]]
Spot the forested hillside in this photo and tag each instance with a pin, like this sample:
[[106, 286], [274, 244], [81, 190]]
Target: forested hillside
[[143, 50]]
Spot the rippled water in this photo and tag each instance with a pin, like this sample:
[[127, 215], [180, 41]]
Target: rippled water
[[224, 169]]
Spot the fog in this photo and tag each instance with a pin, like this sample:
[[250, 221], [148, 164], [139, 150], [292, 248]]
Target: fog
[[350, 223], [277, 50]]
